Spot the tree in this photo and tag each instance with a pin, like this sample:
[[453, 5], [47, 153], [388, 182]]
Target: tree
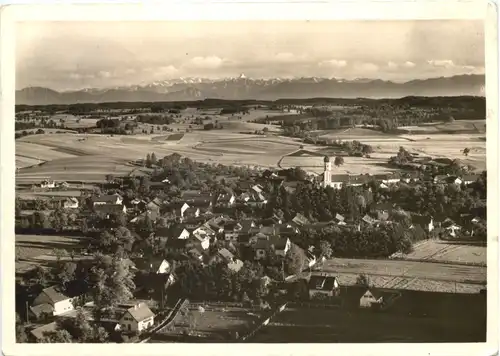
[[295, 261], [59, 336], [367, 149], [363, 280], [66, 272], [325, 248], [148, 160], [466, 151], [339, 160], [154, 160], [41, 276], [20, 331]]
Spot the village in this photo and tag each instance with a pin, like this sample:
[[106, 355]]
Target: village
[[163, 244]]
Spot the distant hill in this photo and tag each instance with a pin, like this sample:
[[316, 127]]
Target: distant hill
[[260, 89]]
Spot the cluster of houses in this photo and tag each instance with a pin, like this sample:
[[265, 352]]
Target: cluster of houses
[[337, 181], [56, 302]]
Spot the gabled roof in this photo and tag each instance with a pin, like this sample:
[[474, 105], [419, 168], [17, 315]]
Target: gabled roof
[[339, 217], [140, 312], [375, 292], [40, 309], [368, 219], [339, 178], [55, 294], [300, 219], [225, 253], [108, 208], [324, 283], [107, 198], [38, 333], [246, 225]]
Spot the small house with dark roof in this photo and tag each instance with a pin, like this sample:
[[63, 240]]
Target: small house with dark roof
[[108, 209], [137, 318], [39, 333], [275, 244], [324, 285], [370, 297], [156, 266], [174, 245], [113, 199]]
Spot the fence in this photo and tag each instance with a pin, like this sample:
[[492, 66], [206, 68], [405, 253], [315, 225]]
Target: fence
[[264, 323]]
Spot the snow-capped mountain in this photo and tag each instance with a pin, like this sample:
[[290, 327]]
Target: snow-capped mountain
[[243, 87]]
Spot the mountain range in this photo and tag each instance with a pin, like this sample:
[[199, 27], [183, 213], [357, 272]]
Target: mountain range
[[241, 88]]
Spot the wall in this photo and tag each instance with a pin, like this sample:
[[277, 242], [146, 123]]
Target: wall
[[63, 306]]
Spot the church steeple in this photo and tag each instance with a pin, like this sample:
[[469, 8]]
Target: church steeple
[[327, 173]]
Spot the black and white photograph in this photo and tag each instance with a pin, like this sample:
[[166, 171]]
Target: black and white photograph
[[253, 181]]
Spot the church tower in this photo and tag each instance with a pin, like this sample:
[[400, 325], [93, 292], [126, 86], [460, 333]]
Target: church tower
[[327, 174]]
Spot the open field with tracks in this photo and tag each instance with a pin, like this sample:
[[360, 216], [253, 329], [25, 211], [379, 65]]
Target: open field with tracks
[[89, 157], [412, 275], [32, 250], [444, 251]]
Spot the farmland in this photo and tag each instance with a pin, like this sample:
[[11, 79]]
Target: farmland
[[443, 251], [410, 275], [38, 249]]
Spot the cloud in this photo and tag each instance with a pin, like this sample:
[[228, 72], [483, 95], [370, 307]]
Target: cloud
[[409, 64], [333, 63], [447, 63], [166, 70], [210, 62], [104, 74]]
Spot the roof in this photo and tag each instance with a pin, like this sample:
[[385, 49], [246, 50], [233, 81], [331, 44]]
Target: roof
[[335, 178], [421, 219], [368, 219], [152, 264], [377, 294], [107, 198], [325, 283], [246, 224], [339, 217], [300, 219], [177, 243], [470, 177], [278, 242], [140, 312], [108, 208], [225, 253], [40, 309], [38, 332], [55, 294]]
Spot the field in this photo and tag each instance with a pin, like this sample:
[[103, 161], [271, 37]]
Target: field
[[89, 157], [412, 275], [359, 326], [443, 251], [215, 322], [38, 249]]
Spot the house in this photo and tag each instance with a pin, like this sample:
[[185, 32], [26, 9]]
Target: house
[[202, 238], [425, 221], [156, 266], [62, 185], [152, 214], [357, 181], [108, 209], [368, 219], [246, 226], [205, 229], [174, 245], [235, 265], [54, 298], [453, 180], [70, 203], [191, 212], [137, 318], [450, 226], [324, 285], [440, 178], [155, 204], [226, 198], [300, 220], [158, 186], [470, 178], [370, 297], [340, 219], [113, 199], [49, 184], [311, 259], [179, 232], [196, 253], [225, 255], [408, 177], [279, 245], [38, 333], [273, 220], [232, 230], [197, 198], [285, 230]]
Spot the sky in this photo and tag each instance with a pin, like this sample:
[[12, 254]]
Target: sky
[[76, 55]]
